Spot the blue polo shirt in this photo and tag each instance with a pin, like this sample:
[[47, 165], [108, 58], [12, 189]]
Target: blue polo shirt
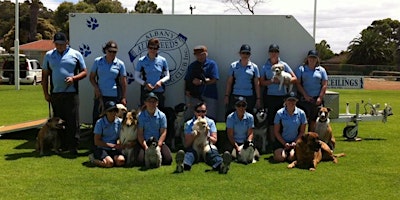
[[267, 72], [240, 127], [109, 131], [153, 69], [210, 68], [290, 123], [243, 75], [107, 73], [189, 126], [311, 79], [152, 124], [63, 66]]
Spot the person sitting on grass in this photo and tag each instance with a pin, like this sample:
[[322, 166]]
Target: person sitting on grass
[[106, 133]]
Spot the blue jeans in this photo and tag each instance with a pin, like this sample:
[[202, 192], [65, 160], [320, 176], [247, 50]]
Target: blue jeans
[[213, 158]]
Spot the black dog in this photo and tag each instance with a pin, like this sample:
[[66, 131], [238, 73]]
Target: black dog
[[197, 72]]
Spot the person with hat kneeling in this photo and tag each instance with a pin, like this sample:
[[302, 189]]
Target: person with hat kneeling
[[152, 123], [289, 125], [106, 133]]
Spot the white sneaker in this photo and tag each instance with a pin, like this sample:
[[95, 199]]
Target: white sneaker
[[180, 156], [226, 162]]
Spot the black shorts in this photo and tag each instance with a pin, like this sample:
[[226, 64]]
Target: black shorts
[[273, 104], [311, 109], [100, 153]]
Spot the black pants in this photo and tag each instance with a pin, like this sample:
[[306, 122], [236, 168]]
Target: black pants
[[66, 106]]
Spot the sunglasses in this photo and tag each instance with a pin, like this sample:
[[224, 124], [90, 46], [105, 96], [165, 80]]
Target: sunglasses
[[274, 51], [201, 111], [245, 53], [153, 47], [112, 51], [241, 105]]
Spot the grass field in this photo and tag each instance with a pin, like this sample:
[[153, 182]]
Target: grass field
[[370, 169]]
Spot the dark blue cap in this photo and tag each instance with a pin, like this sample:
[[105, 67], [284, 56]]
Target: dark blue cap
[[313, 53], [273, 47], [245, 48], [110, 105], [60, 38], [151, 95]]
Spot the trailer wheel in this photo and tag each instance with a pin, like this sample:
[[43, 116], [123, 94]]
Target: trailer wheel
[[349, 132]]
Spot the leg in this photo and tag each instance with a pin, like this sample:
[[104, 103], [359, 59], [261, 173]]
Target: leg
[[280, 155], [166, 155]]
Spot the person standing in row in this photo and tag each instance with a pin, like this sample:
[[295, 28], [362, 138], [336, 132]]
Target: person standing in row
[[65, 67], [151, 72], [312, 84], [108, 78], [201, 82], [243, 80], [273, 97]]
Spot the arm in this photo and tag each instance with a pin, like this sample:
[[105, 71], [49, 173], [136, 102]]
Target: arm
[[163, 135], [98, 141], [138, 79], [257, 90], [213, 137], [228, 89], [123, 84], [163, 80], [322, 92], [141, 140], [92, 79], [229, 132], [45, 84]]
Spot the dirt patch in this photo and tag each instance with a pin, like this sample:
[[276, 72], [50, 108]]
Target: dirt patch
[[380, 84]]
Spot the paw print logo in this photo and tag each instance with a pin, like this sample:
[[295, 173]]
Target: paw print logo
[[92, 23], [129, 77], [85, 50]]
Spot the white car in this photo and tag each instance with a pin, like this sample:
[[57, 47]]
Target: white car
[[30, 71]]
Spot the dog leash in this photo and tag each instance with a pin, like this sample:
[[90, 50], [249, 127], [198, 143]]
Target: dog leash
[[49, 104]]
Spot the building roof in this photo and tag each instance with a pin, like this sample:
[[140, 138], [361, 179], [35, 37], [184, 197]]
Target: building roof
[[40, 45]]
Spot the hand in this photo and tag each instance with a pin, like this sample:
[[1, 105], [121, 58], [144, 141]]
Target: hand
[[286, 146], [197, 81], [69, 80], [148, 87], [158, 85]]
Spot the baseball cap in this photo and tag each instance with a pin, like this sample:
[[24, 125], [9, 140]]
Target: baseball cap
[[199, 49], [312, 53], [151, 95], [273, 47], [60, 38], [241, 100], [245, 48], [110, 105], [291, 96], [111, 46]]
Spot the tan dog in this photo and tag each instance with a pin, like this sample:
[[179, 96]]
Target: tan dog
[[283, 77], [48, 137], [323, 127], [128, 135], [200, 143], [310, 150]]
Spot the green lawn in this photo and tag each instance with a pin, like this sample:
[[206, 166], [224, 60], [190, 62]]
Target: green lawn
[[370, 169]]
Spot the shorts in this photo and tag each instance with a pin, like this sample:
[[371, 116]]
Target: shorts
[[100, 153]]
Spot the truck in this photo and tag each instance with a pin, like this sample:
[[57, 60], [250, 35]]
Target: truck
[[30, 71]]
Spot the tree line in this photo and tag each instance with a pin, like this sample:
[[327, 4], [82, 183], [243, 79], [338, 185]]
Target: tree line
[[379, 43]]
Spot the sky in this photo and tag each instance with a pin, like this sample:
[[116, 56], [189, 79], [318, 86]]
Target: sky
[[338, 22]]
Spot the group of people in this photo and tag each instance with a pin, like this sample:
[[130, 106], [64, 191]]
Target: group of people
[[288, 113]]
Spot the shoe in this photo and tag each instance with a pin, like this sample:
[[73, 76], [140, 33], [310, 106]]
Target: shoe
[[91, 158], [180, 156], [226, 162]]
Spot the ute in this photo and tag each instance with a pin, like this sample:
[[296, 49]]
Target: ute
[[30, 70]]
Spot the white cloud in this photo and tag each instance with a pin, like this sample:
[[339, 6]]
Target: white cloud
[[338, 22]]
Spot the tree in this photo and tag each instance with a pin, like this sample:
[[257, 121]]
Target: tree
[[61, 15], [147, 7], [239, 5], [109, 6], [377, 44], [324, 50]]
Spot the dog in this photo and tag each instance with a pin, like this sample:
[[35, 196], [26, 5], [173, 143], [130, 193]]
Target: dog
[[179, 123], [323, 127], [260, 130], [122, 110], [48, 136], [128, 135], [170, 138], [283, 77], [152, 155], [200, 143], [310, 150], [247, 153]]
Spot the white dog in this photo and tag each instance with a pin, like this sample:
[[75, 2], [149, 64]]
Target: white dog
[[179, 122], [247, 153], [283, 77], [260, 130], [200, 143], [152, 155], [128, 135]]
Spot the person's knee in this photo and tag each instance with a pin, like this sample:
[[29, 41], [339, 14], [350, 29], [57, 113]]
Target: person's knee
[[119, 160], [279, 155]]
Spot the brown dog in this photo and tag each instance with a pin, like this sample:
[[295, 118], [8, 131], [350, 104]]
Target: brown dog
[[323, 127], [48, 135], [310, 151], [128, 135]]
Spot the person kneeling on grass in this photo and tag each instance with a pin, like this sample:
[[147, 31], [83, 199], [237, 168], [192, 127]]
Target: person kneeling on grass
[[106, 133]]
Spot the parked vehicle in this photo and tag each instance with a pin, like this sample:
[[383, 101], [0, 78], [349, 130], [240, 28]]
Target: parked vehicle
[[30, 70]]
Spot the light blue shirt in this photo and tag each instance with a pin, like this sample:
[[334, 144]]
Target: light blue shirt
[[189, 126], [243, 78], [151, 125], [109, 131], [240, 127], [152, 69], [266, 71], [290, 124], [310, 79], [63, 66], [108, 74]]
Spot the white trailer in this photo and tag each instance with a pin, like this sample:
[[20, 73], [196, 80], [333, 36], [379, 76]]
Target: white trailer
[[222, 34]]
